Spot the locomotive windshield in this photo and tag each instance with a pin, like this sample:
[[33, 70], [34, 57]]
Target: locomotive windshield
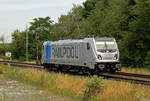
[[106, 46]]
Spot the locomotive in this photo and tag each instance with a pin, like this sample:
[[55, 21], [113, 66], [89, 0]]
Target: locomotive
[[88, 54]]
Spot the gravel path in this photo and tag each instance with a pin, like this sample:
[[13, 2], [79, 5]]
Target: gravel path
[[15, 91]]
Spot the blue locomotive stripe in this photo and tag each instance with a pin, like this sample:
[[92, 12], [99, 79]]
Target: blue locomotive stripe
[[48, 52]]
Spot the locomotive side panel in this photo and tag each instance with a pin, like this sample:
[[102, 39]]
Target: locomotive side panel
[[75, 54], [67, 54], [90, 56], [46, 52]]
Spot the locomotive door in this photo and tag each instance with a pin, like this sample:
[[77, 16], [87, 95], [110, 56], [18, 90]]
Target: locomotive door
[[48, 52]]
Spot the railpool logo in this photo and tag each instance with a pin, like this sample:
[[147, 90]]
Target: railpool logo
[[67, 52]]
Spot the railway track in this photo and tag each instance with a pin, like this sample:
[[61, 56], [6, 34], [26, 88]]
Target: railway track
[[129, 77], [118, 76], [18, 64]]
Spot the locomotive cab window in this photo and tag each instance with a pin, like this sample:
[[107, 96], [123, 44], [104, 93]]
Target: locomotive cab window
[[103, 46]]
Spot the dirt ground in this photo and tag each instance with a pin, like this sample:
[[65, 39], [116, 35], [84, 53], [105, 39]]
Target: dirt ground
[[14, 91]]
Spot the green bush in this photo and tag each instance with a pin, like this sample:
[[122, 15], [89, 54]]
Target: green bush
[[93, 87]]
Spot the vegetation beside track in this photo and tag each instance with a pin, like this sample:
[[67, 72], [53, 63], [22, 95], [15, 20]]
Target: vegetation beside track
[[74, 86], [144, 71]]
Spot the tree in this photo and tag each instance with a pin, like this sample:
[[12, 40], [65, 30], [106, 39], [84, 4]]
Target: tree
[[18, 44], [126, 20], [109, 19], [41, 30], [2, 39], [69, 26], [137, 42], [2, 46], [42, 27], [88, 6], [147, 60]]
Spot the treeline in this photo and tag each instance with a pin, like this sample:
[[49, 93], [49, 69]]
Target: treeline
[[126, 20]]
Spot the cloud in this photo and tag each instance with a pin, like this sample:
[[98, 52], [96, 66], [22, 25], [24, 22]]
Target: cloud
[[18, 7], [14, 14], [25, 6]]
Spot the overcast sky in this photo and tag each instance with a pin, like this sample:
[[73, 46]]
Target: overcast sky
[[16, 14]]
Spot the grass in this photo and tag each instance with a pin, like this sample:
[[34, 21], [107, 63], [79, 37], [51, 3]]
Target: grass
[[24, 61], [123, 91], [60, 84], [137, 70], [73, 86]]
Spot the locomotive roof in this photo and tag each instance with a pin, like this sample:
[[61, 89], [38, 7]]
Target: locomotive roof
[[105, 39], [82, 40], [70, 40]]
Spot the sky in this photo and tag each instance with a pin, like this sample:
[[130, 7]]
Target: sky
[[16, 14]]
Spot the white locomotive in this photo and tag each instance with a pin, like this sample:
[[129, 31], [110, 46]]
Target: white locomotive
[[88, 54]]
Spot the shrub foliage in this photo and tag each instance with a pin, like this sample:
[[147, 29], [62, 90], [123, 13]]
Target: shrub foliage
[[94, 86]]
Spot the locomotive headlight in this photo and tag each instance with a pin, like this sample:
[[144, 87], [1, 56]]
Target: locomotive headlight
[[99, 57], [115, 57]]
